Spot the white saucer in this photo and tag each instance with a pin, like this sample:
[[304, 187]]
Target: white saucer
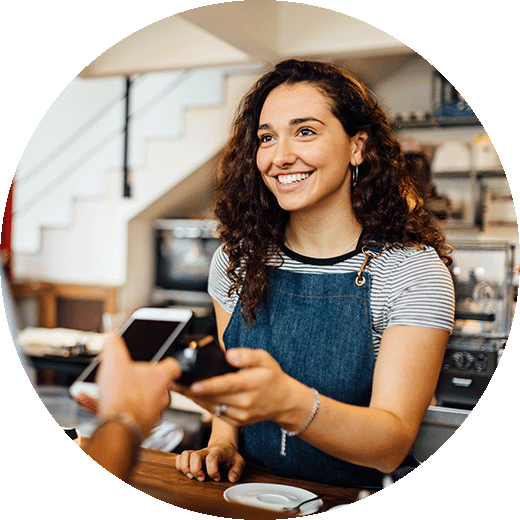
[[272, 496]]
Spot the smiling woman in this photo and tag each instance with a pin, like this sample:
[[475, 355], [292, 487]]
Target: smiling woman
[[330, 289]]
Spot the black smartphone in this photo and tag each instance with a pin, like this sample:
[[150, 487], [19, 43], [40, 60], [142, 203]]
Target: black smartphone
[[201, 360]]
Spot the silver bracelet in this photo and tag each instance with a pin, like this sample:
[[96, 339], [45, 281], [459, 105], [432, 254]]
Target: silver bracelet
[[314, 411]]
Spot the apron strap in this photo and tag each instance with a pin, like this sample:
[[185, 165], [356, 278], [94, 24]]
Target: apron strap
[[360, 278]]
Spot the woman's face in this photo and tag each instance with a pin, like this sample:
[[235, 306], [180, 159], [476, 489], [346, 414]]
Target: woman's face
[[304, 153]]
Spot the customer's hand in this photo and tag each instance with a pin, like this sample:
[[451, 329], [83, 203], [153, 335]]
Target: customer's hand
[[214, 457], [137, 388]]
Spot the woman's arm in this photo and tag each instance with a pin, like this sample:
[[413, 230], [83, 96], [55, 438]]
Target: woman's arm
[[378, 436], [405, 378], [222, 318]]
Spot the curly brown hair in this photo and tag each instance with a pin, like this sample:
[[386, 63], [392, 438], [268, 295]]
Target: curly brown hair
[[385, 199]]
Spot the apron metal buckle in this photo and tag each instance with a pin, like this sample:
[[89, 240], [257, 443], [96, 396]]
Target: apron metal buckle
[[360, 279]]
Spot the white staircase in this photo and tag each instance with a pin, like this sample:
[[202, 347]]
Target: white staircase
[[70, 219]]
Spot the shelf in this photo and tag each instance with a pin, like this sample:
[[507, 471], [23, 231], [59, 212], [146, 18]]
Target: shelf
[[465, 174], [68, 305], [435, 123]]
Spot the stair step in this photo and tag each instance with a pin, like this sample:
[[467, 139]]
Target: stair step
[[83, 240]]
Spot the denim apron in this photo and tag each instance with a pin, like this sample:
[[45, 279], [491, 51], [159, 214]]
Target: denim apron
[[318, 327]]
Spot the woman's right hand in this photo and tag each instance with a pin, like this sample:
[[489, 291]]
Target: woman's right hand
[[213, 457]]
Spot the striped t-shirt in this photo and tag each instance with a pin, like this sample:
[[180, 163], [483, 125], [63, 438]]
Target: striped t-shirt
[[409, 286]]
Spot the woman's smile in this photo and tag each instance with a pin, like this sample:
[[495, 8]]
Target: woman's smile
[[292, 179]]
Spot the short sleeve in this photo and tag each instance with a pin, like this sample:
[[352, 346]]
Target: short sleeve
[[422, 292], [219, 283]]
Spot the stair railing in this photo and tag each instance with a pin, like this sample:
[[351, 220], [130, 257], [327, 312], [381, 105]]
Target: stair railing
[[100, 145]]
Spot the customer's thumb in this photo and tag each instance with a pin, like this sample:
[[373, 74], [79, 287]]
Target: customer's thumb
[[170, 369]]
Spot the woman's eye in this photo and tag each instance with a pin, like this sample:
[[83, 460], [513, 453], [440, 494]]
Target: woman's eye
[[265, 138], [305, 132]]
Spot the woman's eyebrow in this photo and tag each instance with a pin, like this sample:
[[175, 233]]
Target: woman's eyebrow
[[292, 122], [300, 120]]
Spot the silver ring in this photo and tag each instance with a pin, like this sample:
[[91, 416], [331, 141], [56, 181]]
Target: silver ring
[[220, 409]]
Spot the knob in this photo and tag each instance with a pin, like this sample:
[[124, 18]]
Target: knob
[[463, 360], [481, 362]]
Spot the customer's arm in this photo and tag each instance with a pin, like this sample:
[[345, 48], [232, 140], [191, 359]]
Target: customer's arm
[[132, 397], [114, 447]]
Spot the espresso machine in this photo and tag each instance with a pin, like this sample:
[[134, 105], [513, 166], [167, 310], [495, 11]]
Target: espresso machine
[[483, 276]]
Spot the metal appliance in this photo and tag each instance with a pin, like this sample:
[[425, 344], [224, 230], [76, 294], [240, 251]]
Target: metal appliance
[[484, 291], [183, 252]]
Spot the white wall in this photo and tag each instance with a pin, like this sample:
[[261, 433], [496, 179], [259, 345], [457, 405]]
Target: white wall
[[92, 247]]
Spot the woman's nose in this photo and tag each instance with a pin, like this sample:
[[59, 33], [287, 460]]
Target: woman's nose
[[284, 154]]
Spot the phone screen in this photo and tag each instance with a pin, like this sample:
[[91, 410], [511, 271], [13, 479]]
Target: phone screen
[[144, 339]]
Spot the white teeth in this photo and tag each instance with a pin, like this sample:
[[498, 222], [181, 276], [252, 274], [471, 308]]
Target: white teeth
[[292, 178]]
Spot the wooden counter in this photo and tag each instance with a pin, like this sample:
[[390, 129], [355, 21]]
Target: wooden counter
[[157, 476]]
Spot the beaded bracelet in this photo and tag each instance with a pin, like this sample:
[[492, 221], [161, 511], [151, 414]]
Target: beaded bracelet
[[314, 411], [128, 422]]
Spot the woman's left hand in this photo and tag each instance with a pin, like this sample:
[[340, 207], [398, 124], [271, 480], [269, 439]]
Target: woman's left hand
[[260, 391]]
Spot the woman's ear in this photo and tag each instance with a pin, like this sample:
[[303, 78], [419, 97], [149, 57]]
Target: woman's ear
[[358, 145]]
